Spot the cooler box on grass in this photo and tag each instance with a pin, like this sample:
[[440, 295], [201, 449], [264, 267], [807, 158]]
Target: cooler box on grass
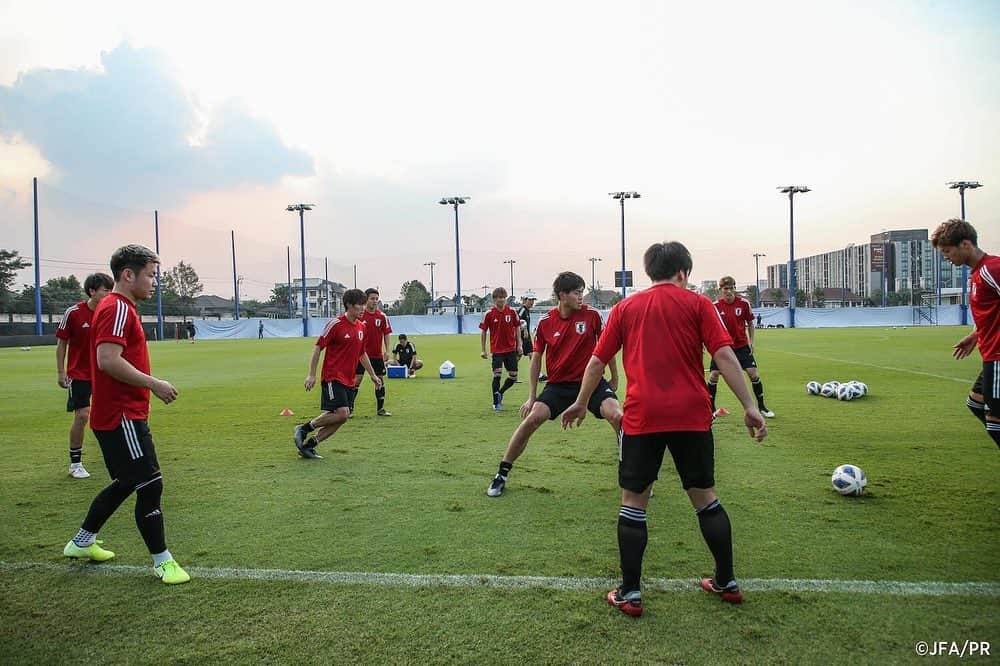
[[447, 370], [397, 371]]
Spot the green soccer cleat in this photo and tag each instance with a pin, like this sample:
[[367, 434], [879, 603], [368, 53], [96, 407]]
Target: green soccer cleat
[[92, 552], [171, 573]]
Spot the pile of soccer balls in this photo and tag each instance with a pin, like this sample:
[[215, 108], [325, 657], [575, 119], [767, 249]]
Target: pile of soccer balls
[[846, 391]]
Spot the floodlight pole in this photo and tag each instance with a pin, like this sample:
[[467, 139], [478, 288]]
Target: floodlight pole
[[962, 186], [621, 197], [756, 265], [511, 262], [38, 273], [236, 284], [456, 202], [791, 191], [326, 287], [288, 250], [593, 280], [159, 291], [432, 264], [301, 208]]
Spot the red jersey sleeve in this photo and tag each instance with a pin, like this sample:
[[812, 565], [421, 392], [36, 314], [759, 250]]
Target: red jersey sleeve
[[748, 313], [483, 325], [598, 323], [713, 332], [62, 332], [539, 344], [323, 341], [612, 337], [388, 327], [110, 324]]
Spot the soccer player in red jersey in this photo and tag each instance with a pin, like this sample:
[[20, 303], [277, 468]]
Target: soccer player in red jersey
[[661, 332], [119, 362], [377, 330], [566, 335], [503, 326], [74, 333], [343, 340], [958, 242], [738, 319]]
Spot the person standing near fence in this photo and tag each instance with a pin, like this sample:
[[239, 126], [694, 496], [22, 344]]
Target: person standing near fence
[[74, 333]]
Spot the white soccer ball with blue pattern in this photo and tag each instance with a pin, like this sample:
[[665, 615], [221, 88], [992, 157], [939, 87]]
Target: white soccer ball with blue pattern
[[846, 392], [813, 388], [861, 386], [849, 480], [829, 389]]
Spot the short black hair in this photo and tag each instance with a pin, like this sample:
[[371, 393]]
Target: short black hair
[[663, 260], [402, 336], [95, 281], [353, 297], [566, 282], [371, 290], [134, 257]]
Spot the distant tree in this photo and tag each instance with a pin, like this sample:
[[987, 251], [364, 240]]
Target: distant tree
[[818, 297], [279, 297], [712, 292], [10, 263], [250, 307], [752, 295], [775, 295], [61, 292], [801, 298], [614, 299], [182, 281], [413, 298]]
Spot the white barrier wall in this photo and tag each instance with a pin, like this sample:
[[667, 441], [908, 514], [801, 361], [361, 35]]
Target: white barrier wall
[[946, 315]]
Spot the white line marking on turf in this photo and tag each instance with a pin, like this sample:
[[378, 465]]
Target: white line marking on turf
[[872, 365], [897, 588]]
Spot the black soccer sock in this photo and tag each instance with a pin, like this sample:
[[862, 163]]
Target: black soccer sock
[[496, 386], [380, 397], [148, 517], [718, 534], [510, 381], [75, 455], [993, 427], [977, 408], [712, 388], [632, 537], [105, 503], [352, 395], [758, 390], [505, 468], [307, 427]]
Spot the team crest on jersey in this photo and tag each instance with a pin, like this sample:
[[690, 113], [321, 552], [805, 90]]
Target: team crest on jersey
[[581, 327]]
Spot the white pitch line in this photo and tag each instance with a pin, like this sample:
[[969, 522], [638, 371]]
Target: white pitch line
[[872, 365], [896, 588]]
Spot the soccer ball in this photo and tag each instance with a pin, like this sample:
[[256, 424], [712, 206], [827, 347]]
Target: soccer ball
[[846, 392], [861, 386], [849, 480], [813, 388], [829, 389]]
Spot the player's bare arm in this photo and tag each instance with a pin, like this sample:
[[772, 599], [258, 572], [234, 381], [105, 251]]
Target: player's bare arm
[[110, 361], [533, 372], [591, 377], [313, 364], [366, 363], [965, 346], [613, 380], [482, 341], [61, 377], [731, 371]]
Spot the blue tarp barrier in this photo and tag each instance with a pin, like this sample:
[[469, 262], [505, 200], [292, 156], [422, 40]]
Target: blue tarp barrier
[[946, 315]]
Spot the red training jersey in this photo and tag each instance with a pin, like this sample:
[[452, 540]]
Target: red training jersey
[[567, 343], [344, 344], [116, 321], [735, 317], [376, 328], [984, 300], [503, 326], [75, 329], [661, 332]]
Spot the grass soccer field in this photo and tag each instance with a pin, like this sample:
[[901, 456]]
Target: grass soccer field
[[389, 550]]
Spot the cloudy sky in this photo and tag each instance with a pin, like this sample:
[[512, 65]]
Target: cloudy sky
[[218, 115]]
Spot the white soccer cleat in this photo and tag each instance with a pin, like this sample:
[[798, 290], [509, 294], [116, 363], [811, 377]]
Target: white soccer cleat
[[77, 471], [768, 414]]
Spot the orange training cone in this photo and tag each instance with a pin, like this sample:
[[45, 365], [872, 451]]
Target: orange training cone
[[286, 412]]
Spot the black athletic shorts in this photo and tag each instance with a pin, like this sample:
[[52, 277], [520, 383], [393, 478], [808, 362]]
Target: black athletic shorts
[[988, 385], [743, 355], [79, 395], [378, 365], [558, 397], [508, 360], [334, 396], [640, 457], [129, 453]]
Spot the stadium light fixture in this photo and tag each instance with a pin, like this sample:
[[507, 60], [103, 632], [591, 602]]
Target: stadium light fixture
[[455, 202], [432, 264], [593, 280], [756, 265], [511, 262], [962, 186], [791, 191], [301, 208], [621, 197]]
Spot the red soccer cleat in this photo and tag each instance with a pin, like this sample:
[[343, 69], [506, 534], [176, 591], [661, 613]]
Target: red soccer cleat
[[629, 603], [729, 594]]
